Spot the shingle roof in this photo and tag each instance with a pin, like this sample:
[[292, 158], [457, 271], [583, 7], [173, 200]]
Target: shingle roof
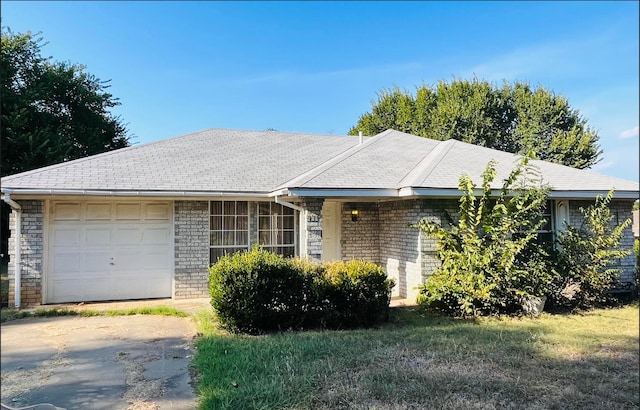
[[211, 160], [220, 160]]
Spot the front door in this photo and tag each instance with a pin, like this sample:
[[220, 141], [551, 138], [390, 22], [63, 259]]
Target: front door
[[331, 249]]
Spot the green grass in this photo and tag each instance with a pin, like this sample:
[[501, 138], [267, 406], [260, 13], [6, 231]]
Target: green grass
[[421, 360], [14, 314]]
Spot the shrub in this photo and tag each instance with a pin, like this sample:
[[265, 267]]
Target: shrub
[[259, 291], [587, 257], [485, 265], [355, 293]]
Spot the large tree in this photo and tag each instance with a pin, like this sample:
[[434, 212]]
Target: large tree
[[515, 118], [51, 112]]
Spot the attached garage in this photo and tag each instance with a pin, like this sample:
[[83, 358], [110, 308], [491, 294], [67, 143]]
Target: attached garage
[[109, 250]]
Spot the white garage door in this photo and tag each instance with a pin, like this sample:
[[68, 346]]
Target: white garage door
[[109, 251]]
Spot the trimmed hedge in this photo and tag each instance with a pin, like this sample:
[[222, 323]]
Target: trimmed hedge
[[258, 291]]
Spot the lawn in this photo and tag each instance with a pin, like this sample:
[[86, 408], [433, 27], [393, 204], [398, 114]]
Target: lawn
[[420, 360]]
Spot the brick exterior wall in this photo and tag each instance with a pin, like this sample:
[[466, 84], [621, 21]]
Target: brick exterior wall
[[191, 240], [408, 256], [623, 210], [383, 235], [31, 253], [360, 239], [312, 227]]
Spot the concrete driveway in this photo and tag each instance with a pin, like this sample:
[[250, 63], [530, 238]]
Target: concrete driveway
[[123, 362]]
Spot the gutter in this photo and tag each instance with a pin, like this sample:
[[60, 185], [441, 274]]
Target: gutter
[[18, 273], [88, 192]]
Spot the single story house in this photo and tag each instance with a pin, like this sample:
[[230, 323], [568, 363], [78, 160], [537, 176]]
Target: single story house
[[147, 221]]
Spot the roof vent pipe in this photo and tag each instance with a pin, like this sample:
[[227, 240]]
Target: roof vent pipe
[[360, 139]]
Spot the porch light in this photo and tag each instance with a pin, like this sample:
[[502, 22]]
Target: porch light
[[354, 215]]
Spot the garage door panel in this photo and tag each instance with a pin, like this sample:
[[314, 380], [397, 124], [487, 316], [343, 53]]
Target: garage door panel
[[127, 236], [97, 288], [155, 259], [97, 236], [127, 260], [98, 212], [67, 211], [157, 212], [155, 235], [66, 262], [96, 261], [66, 237], [110, 251], [132, 285], [128, 211], [65, 290]]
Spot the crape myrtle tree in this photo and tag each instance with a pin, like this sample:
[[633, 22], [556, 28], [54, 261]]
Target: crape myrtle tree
[[51, 111], [515, 118]]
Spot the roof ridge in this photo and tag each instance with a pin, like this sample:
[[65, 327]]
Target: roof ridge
[[427, 164], [312, 173]]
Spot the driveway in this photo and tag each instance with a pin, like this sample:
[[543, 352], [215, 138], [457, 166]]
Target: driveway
[[123, 362]]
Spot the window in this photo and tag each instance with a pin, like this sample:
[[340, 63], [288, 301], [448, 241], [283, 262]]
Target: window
[[277, 228], [545, 232], [229, 228]]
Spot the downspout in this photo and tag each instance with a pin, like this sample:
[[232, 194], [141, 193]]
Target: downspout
[[18, 274]]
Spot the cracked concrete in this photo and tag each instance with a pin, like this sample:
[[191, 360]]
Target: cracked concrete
[[123, 362]]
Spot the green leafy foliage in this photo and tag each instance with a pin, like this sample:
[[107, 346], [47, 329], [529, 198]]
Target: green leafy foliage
[[486, 254], [259, 291], [51, 111], [589, 253], [354, 293], [514, 118]]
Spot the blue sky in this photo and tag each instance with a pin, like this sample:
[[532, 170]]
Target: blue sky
[[315, 67]]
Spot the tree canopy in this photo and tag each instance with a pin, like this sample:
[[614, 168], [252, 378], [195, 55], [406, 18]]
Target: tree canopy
[[51, 111], [515, 118]]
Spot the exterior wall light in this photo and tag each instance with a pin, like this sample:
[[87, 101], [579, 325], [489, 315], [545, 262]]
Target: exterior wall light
[[354, 215]]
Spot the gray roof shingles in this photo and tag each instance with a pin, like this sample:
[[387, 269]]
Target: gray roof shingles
[[220, 160]]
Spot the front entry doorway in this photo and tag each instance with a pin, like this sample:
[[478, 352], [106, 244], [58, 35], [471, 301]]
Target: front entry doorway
[[331, 249]]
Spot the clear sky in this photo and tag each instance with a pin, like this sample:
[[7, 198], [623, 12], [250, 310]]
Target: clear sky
[[315, 67]]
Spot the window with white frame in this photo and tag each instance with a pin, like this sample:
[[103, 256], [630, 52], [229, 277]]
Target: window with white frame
[[277, 228], [229, 228]]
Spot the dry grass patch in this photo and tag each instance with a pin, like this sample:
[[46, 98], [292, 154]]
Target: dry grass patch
[[423, 361]]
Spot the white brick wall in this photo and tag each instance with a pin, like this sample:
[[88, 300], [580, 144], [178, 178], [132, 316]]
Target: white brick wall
[[313, 227], [191, 249], [31, 253]]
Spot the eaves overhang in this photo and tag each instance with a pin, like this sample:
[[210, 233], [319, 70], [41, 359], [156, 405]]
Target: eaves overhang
[[35, 193]]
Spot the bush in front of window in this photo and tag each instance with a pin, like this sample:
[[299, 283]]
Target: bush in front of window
[[587, 261], [258, 291], [490, 263]]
